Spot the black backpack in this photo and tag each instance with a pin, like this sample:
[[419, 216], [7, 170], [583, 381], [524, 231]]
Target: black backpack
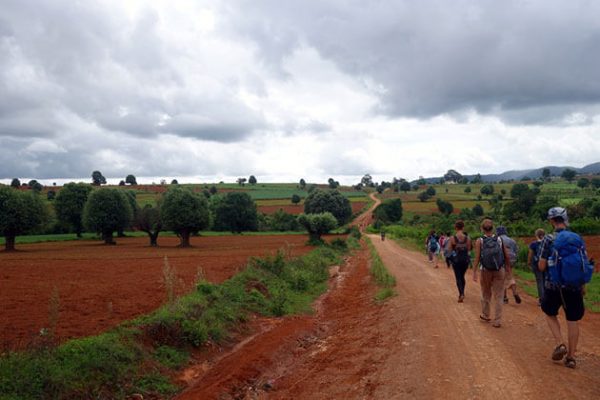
[[461, 251], [492, 253]]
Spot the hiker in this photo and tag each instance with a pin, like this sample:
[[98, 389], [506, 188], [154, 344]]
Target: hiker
[[382, 235], [533, 258], [513, 250], [460, 247], [564, 259], [433, 247], [446, 249], [492, 258]]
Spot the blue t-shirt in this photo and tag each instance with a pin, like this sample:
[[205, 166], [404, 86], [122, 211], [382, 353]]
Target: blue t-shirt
[[534, 247]]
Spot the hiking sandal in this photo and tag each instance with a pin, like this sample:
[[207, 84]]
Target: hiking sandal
[[484, 319], [559, 352], [570, 362]]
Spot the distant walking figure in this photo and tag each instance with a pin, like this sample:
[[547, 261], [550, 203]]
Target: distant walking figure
[[533, 258], [460, 247], [492, 258], [433, 247], [513, 250], [382, 236]]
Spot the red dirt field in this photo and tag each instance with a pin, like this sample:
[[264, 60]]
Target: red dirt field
[[357, 206], [100, 286]]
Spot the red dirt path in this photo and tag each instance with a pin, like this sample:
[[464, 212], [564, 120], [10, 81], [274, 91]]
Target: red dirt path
[[100, 286]]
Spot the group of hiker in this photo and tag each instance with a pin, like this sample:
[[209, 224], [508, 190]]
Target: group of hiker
[[558, 260]]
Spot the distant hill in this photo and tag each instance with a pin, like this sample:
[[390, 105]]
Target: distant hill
[[531, 173]]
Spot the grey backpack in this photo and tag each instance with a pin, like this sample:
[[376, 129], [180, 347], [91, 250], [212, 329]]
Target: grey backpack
[[492, 254]]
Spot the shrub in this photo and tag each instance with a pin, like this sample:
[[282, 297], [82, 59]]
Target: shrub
[[331, 201], [317, 225]]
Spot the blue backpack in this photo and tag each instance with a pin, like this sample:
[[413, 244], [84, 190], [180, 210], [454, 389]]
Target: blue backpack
[[569, 264]]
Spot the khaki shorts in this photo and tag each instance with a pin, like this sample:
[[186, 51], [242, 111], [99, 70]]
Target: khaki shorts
[[509, 280]]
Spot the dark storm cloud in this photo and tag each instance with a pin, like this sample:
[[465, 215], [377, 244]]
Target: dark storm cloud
[[509, 58]]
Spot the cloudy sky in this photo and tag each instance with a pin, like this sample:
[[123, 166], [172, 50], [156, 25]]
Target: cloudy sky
[[296, 88]]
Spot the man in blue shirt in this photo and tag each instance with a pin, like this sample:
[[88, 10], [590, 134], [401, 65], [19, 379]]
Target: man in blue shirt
[[556, 296]]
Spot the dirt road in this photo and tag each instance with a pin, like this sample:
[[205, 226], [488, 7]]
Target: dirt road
[[421, 344]]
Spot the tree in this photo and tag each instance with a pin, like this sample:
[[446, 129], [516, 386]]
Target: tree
[[367, 180], [320, 201], [15, 183], [296, 199], [423, 196], [241, 181], [70, 203], [445, 207], [431, 191], [468, 189], [236, 213], [583, 182], [487, 190], [333, 184], [317, 225], [131, 199], [213, 190], [421, 181], [184, 212], [107, 211], [478, 210], [595, 182], [20, 213], [546, 173], [148, 220], [568, 174], [405, 186], [35, 185], [131, 179], [252, 180], [174, 182], [121, 183], [452, 176], [389, 211], [302, 183], [524, 198], [98, 179]]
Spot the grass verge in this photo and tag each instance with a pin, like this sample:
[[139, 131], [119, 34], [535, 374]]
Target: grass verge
[[384, 279], [141, 355]]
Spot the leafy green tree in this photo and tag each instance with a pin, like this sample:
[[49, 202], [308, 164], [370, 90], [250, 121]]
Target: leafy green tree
[[15, 183], [320, 201], [296, 199], [148, 220], [131, 199], [546, 173], [20, 213], [241, 181], [524, 198], [583, 182], [282, 221], [389, 211], [174, 182], [252, 180], [317, 225], [130, 179], [431, 191], [333, 184], [121, 183], [568, 174], [594, 210], [487, 190], [478, 210], [184, 212], [70, 203], [35, 185], [213, 190], [468, 189], [405, 186], [236, 213], [445, 207], [107, 211], [423, 196], [302, 183], [367, 180], [595, 182], [98, 179]]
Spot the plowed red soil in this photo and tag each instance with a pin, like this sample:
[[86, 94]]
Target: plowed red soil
[[299, 208], [420, 344], [100, 286]]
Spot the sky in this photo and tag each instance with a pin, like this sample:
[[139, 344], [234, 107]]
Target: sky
[[213, 90]]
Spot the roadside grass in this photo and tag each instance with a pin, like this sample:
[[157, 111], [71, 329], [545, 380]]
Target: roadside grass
[[385, 280], [141, 356]]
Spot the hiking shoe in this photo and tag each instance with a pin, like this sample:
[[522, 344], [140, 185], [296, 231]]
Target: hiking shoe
[[484, 319], [559, 352], [570, 362], [518, 299], [506, 300]]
